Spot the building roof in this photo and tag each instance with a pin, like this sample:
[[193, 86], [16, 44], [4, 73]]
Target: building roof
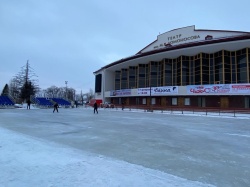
[[167, 47]]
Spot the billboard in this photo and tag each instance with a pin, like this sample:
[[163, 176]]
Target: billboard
[[166, 90], [208, 89], [240, 88], [125, 92], [216, 89]]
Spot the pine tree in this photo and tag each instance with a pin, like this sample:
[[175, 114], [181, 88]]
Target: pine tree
[[27, 90], [5, 90]]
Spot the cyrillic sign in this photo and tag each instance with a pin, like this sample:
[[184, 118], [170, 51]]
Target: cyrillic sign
[[166, 90]]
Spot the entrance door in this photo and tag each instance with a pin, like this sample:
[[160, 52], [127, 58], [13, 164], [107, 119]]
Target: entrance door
[[247, 102], [201, 102], [224, 102]]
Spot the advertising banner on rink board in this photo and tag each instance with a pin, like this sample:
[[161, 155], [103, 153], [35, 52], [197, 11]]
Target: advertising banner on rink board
[[120, 92], [219, 89], [240, 88], [208, 89], [158, 90]]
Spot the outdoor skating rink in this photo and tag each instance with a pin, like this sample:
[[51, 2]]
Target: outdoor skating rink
[[122, 148]]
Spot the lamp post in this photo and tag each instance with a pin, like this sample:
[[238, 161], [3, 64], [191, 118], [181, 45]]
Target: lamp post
[[150, 99], [150, 94], [66, 82]]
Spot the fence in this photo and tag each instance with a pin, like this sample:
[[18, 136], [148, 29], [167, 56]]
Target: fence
[[195, 111]]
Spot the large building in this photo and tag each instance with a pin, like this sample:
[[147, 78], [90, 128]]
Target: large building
[[185, 67]]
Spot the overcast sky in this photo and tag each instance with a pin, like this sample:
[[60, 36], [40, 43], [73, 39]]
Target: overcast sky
[[67, 40]]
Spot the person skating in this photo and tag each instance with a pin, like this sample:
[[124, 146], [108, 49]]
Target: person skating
[[95, 108], [123, 105], [28, 104], [55, 107]]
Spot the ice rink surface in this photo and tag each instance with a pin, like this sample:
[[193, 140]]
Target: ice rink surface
[[122, 148]]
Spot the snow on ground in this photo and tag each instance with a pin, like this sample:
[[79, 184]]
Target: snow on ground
[[28, 161]]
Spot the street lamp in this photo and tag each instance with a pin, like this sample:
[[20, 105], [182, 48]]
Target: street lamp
[[150, 94], [150, 98], [66, 82]]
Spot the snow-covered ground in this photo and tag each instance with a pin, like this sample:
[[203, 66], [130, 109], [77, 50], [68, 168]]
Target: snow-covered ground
[[121, 148]]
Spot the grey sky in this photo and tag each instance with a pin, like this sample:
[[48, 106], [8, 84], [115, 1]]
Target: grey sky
[[69, 40]]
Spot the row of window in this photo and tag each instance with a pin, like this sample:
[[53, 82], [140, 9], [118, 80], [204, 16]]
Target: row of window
[[174, 101], [223, 67]]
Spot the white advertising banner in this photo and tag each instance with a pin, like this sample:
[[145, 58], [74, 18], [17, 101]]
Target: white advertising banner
[[208, 89], [121, 92], [166, 90], [143, 91], [240, 88]]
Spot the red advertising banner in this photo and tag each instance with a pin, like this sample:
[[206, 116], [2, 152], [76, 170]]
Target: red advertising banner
[[208, 89], [240, 88]]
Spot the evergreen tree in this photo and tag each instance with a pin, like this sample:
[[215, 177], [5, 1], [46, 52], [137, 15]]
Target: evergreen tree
[[27, 90], [5, 90]]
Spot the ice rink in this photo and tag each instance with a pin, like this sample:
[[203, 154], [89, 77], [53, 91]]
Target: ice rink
[[122, 148]]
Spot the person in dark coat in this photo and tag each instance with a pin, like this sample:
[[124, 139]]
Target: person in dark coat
[[123, 105], [95, 108], [28, 104], [55, 107]]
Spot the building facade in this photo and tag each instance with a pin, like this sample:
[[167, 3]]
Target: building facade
[[185, 68]]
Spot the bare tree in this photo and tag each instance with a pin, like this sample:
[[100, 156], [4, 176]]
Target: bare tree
[[81, 97], [24, 84], [14, 89], [53, 91], [71, 94], [60, 92], [90, 94]]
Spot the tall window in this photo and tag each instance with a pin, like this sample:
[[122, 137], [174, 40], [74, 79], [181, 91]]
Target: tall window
[[227, 67], [205, 68], [142, 76], [197, 69], [174, 72], [178, 71], [155, 74], [218, 68], [185, 70], [124, 79], [117, 80], [241, 66], [233, 67], [248, 49], [168, 72], [211, 69], [132, 77], [192, 71]]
